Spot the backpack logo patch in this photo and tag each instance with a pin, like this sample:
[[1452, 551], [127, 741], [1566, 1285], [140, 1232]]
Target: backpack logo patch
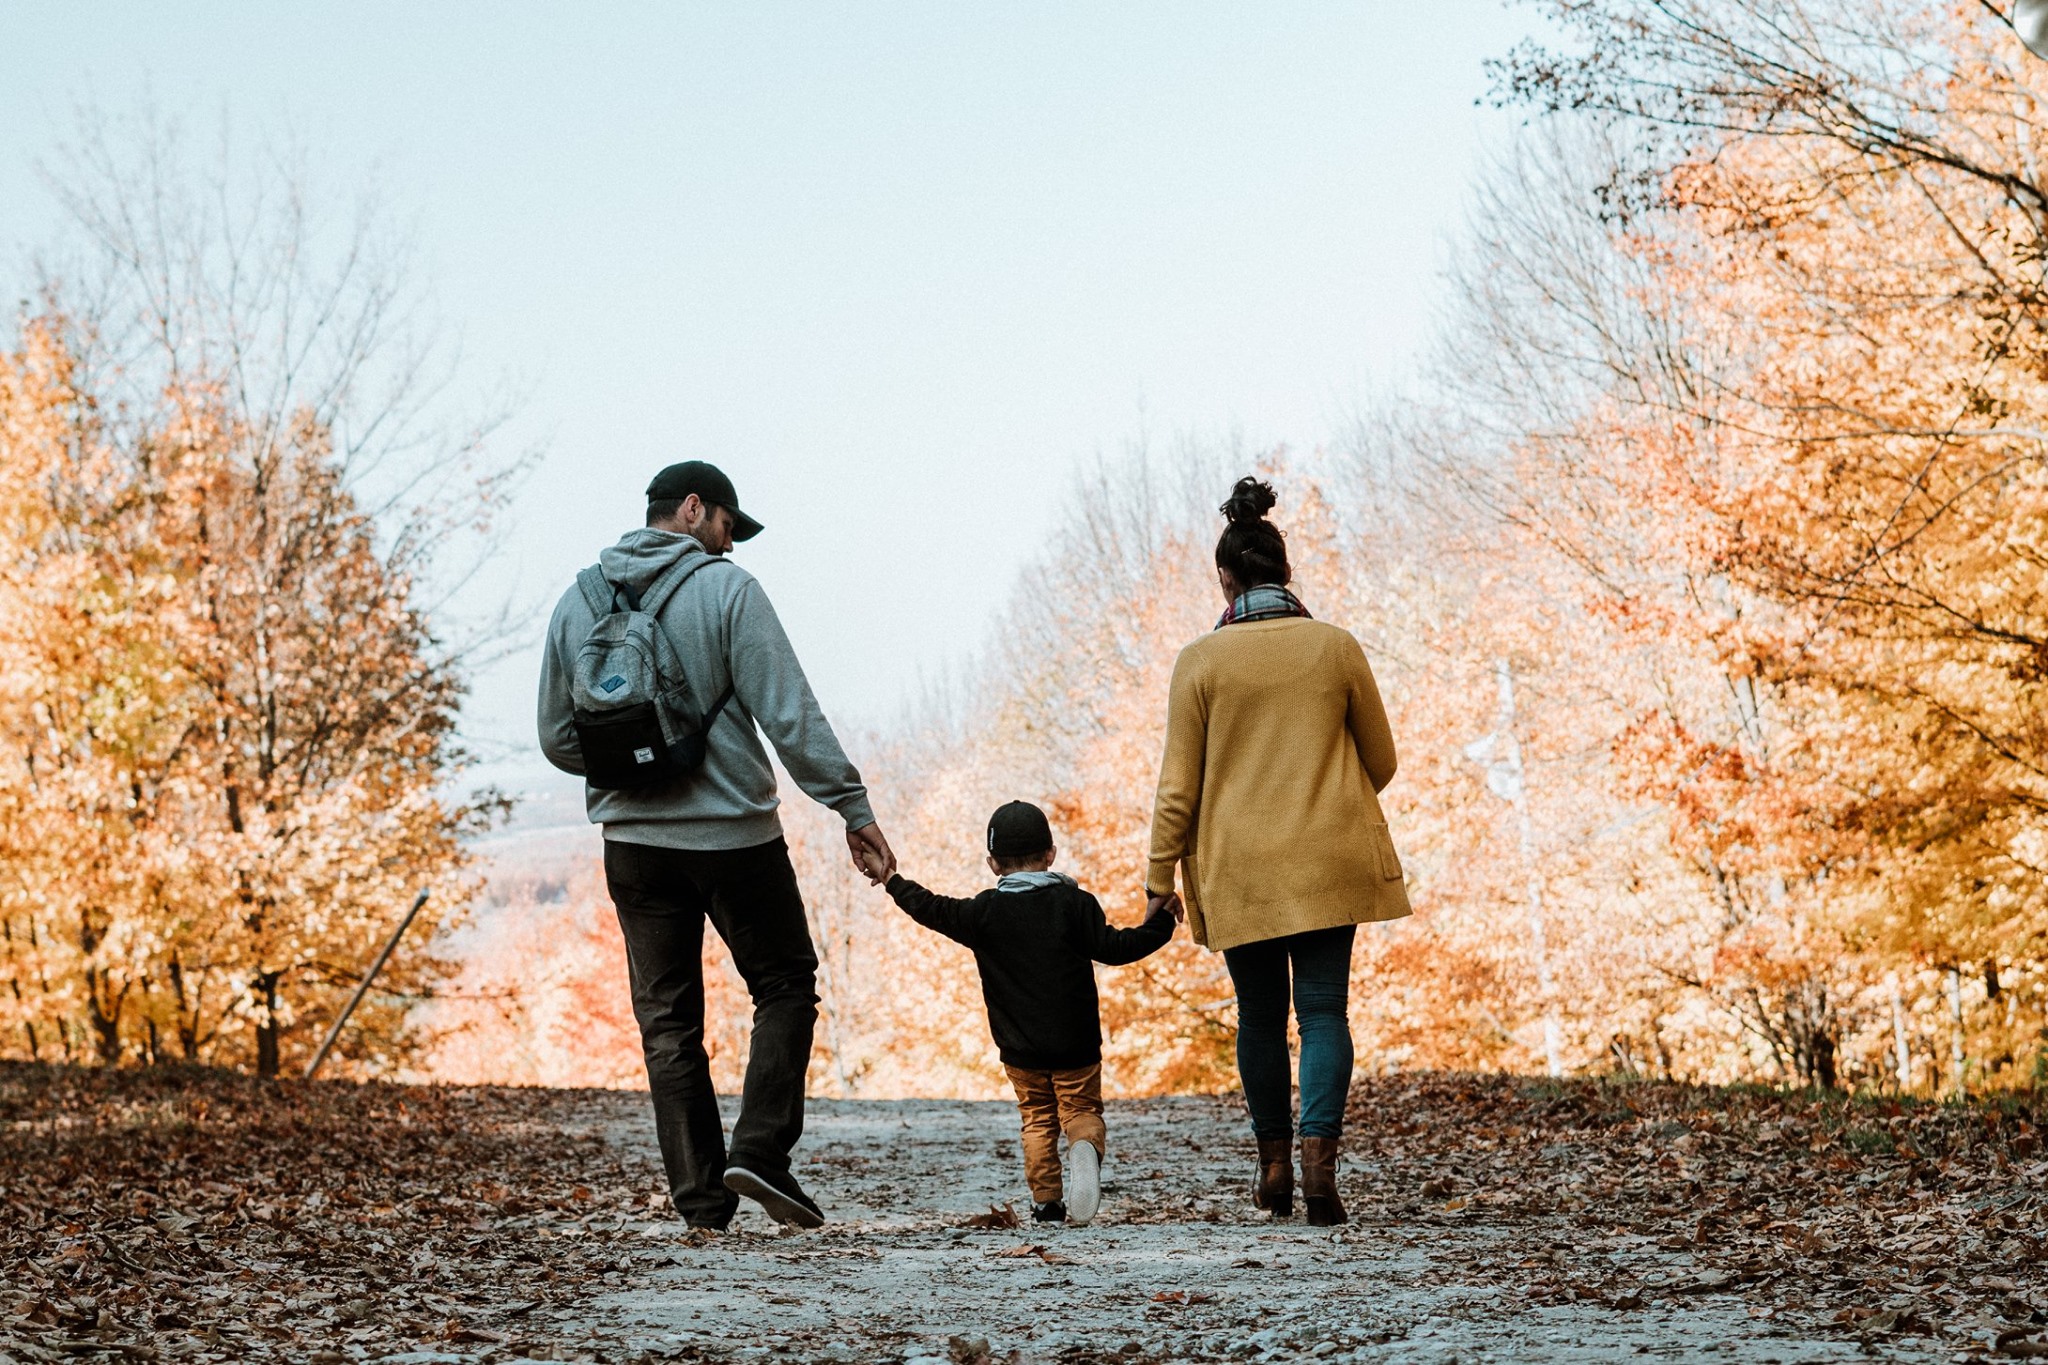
[[613, 683], [643, 755]]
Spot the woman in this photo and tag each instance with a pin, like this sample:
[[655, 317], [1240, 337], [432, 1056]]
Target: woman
[[1277, 748]]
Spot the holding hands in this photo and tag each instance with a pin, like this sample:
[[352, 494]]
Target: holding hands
[[872, 857], [1171, 902]]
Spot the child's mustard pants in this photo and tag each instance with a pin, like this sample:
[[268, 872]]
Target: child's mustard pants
[[1050, 1103]]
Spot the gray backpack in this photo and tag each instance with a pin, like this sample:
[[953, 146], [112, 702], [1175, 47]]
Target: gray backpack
[[628, 694]]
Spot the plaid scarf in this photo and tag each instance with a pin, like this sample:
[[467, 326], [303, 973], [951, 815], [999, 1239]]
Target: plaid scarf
[[1267, 602]]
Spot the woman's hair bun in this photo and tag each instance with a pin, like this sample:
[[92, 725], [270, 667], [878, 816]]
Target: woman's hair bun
[[1252, 550], [1250, 501]]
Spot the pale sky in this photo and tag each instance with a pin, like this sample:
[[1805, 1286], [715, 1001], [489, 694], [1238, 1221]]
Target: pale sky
[[898, 269]]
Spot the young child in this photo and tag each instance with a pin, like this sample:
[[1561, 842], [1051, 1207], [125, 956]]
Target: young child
[[1035, 937]]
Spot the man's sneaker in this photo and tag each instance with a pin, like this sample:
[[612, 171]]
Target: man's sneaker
[[1084, 1181], [1051, 1211], [776, 1192]]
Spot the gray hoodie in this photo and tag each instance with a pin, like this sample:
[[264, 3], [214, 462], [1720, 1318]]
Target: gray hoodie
[[724, 631]]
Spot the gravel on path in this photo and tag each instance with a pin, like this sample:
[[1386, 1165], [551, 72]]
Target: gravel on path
[[1178, 1266]]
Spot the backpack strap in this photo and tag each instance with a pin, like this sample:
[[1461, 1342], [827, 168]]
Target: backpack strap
[[711, 716], [597, 591], [657, 595], [662, 588]]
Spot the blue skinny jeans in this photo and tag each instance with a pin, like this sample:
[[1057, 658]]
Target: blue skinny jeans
[[1319, 963]]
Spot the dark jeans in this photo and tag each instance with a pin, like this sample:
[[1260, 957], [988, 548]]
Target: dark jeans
[[1320, 964], [663, 896]]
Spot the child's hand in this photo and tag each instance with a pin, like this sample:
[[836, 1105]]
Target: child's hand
[[875, 864], [865, 846], [1170, 903]]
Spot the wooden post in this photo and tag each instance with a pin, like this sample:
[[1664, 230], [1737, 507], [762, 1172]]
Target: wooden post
[[363, 987]]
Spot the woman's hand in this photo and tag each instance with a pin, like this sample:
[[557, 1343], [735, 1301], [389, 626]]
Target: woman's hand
[[1170, 902]]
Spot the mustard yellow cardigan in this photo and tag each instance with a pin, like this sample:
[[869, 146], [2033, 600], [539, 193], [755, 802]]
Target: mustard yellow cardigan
[[1277, 747]]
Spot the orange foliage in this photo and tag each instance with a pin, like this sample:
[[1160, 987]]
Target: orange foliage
[[227, 729]]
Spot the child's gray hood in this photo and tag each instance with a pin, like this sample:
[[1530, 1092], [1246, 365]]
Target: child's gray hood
[[1034, 881]]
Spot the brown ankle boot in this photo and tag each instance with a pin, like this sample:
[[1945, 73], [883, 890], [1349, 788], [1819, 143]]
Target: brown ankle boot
[[1319, 1182], [1274, 1187]]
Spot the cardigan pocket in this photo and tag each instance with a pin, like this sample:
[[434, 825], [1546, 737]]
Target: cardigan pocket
[[1390, 862]]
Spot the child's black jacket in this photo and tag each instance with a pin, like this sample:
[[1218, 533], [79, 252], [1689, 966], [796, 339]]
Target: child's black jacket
[[1034, 949]]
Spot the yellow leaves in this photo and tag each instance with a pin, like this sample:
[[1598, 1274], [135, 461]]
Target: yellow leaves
[[1820, 418], [222, 737]]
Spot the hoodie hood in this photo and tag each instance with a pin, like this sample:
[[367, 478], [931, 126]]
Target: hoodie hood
[[1034, 881], [640, 556]]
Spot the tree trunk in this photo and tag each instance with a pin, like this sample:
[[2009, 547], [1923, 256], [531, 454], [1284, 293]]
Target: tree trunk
[[266, 1025], [1824, 1061], [21, 1003], [188, 1022], [106, 1024], [106, 1027]]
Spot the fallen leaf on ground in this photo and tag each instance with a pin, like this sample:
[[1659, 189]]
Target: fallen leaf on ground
[[1004, 1217], [1021, 1250], [968, 1351], [2019, 1344]]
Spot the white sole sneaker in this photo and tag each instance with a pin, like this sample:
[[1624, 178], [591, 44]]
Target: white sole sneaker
[[1084, 1182]]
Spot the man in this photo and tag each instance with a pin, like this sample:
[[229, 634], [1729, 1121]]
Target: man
[[708, 844]]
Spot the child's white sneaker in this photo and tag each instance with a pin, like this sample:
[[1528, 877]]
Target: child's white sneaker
[[1084, 1182]]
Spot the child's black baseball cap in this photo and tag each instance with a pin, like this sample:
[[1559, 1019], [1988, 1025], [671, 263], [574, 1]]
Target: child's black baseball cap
[[1018, 830]]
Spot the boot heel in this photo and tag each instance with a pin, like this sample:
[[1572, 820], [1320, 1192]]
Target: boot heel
[[1273, 1185], [1319, 1182]]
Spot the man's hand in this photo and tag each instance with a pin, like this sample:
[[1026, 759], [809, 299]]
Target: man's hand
[[872, 865], [1172, 904], [871, 855]]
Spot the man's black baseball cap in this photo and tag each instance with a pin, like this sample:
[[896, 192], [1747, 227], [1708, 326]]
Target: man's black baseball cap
[[1018, 830], [708, 482]]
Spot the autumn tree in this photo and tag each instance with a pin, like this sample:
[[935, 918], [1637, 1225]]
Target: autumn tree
[[1831, 217], [232, 724]]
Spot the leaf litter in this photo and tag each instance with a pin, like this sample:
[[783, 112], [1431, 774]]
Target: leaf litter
[[203, 1215], [208, 1217], [1879, 1217]]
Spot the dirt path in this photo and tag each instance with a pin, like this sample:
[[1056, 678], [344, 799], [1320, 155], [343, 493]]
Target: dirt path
[[1178, 1267], [210, 1218]]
